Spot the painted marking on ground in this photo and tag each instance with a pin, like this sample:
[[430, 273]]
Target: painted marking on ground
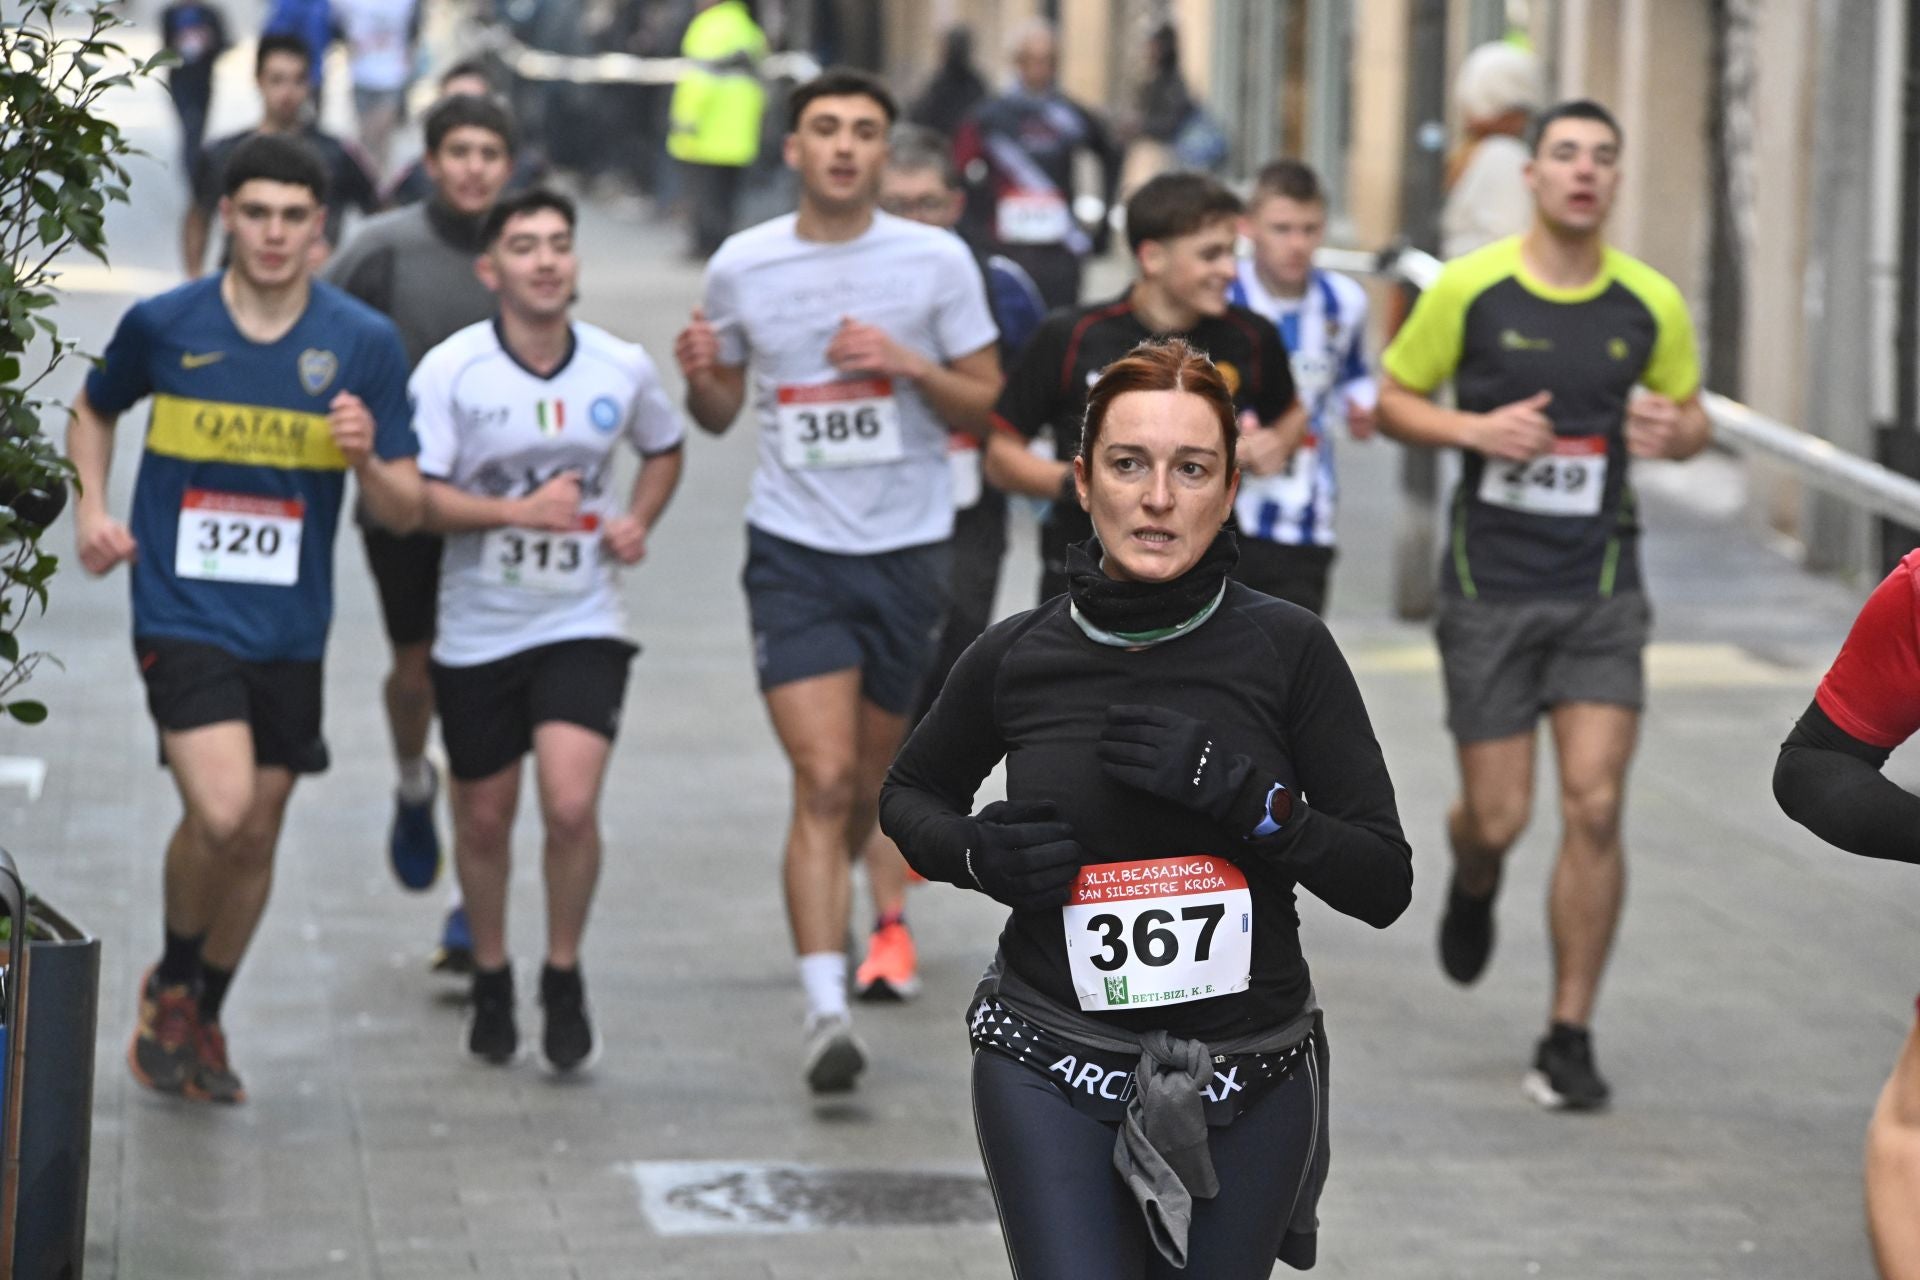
[[701, 1197], [29, 773]]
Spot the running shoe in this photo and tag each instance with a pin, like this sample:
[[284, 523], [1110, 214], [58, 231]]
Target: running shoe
[[413, 845], [162, 1054], [891, 969], [1563, 1076], [213, 1078], [492, 1035], [834, 1054], [1466, 935], [567, 1043], [454, 955]]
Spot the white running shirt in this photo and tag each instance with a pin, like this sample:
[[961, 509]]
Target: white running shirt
[[850, 465], [1325, 333], [489, 426]]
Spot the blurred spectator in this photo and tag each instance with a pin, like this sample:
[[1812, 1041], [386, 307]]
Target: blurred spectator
[[312, 21], [1016, 153], [195, 32], [956, 88], [1164, 101], [1497, 91], [635, 115], [714, 124], [380, 36], [280, 69], [414, 184], [1170, 129]]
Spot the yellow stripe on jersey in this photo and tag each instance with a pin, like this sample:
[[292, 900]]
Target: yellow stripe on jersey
[[245, 435]]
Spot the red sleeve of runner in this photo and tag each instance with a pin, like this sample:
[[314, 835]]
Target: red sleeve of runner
[[1873, 689]]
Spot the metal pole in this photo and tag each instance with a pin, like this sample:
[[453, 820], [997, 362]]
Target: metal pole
[[1906, 393], [1839, 364], [1420, 199]]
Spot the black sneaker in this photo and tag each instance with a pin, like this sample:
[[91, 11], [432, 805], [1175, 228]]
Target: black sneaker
[[567, 1043], [492, 1035], [1466, 934], [1563, 1076]]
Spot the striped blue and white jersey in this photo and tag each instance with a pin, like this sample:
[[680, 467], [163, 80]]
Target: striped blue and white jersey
[[1325, 334]]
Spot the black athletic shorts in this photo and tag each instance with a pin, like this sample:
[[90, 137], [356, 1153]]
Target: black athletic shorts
[[191, 685], [816, 612], [488, 712], [406, 572]]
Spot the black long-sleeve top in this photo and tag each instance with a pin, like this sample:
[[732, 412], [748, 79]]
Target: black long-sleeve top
[[1830, 782], [1268, 678], [1828, 776]]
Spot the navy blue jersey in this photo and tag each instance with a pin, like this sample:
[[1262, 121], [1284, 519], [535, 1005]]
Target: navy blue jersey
[[240, 483]]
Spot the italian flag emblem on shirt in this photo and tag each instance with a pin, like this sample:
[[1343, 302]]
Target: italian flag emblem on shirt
[[551, 415]]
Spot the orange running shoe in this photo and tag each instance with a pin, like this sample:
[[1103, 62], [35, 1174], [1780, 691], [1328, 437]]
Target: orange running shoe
[[891, 969], [213, 1078], [162, 1054]]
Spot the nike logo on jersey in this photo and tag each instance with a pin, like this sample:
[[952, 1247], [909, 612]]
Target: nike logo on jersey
[[188, 360]]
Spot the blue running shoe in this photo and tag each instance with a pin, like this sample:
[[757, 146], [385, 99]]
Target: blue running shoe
[[455, 952], [413, 846]]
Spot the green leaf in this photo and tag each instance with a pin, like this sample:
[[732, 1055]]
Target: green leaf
[[27, 711], [9, 647]]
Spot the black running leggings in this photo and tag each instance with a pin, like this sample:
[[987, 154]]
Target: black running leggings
[[1067, 1216]]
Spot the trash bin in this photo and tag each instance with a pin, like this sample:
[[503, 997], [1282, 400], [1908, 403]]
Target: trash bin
[[51, 1006]]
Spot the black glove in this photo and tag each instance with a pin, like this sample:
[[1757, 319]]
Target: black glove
[[1177, 758], [1022, 855]]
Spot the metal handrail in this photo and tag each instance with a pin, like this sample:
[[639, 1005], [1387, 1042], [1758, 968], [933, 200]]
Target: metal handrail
[[1823, 464]]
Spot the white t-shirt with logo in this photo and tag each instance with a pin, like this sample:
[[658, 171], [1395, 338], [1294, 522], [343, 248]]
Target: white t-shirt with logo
[[490, 426], [851, 464]]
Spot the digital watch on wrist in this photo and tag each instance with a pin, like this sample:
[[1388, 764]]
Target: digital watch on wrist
[[1279, 808]]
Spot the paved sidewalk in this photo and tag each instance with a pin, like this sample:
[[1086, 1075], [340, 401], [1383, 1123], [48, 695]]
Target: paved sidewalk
[[1761, 986]]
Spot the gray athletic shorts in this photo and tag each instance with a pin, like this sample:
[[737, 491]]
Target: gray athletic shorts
[[1506, 661], [815, 612]]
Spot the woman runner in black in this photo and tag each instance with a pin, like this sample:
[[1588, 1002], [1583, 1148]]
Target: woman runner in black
[[1149, 1071]]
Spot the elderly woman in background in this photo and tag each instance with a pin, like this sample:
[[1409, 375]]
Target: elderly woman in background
[[1497, 91]]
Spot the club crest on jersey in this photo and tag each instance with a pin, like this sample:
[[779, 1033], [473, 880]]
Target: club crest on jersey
[[1229, 374], [550, 416], [317, 369], [604, 413]]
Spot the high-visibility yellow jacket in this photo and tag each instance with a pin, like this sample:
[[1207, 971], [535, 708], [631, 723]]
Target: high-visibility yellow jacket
[[716, 109]]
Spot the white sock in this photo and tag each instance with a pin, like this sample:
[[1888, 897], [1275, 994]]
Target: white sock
[[416, 780], [823, 974]]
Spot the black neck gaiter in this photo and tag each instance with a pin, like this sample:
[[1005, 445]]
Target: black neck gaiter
[[1143, 612]]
